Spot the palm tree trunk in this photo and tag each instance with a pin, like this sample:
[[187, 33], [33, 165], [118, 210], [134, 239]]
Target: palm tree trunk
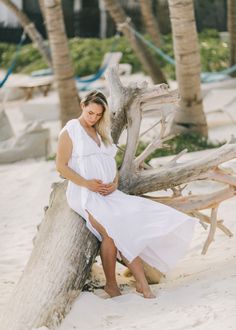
[[148, 61], [231, 13], [150, 21], [191, 117], [31, 30], [62, 64], [42, 9]]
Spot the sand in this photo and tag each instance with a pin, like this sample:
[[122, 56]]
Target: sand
[[199, 293]]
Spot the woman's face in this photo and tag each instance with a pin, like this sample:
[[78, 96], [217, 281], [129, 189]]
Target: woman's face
[[92, 113]]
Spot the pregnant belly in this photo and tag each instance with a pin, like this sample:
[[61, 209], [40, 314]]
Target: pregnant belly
[[100, 167]]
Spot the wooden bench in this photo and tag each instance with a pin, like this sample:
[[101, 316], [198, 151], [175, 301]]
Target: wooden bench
[[30, 84], [42, 84]]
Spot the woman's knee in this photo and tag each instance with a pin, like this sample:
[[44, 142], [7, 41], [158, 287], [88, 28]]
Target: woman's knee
[[102, 231]]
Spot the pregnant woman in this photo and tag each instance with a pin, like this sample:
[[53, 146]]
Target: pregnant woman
[[129, 227]]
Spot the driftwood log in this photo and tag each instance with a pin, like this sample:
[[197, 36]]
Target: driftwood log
[[57, 268], [64, 250]]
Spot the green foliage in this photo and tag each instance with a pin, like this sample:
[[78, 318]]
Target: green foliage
[[28, 59], [192, 142], [214, 52], [87, 54]]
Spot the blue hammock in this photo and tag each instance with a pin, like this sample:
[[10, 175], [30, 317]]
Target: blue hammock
[[83, 84], [14, 60], [49, 72], [89, 79], [205, 76], [94, 77]]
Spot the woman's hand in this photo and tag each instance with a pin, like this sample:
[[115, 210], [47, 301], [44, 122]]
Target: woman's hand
[[109, 188], [96, 186]]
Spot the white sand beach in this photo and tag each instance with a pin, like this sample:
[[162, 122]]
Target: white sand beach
[[199, 293]]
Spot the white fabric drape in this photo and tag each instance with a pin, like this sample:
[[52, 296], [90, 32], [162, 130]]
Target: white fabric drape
[[7, 17]]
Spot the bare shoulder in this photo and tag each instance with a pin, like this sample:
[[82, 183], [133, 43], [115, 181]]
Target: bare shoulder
[[68, 131], [65, 144], [65, 137]]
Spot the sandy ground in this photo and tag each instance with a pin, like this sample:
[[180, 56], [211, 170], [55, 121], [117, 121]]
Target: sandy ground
[[199, 293]]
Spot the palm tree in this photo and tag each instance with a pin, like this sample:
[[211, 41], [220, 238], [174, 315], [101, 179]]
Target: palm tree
[[150, 21], [231, 13], [146, 58], [31, 30], [191, 117], [62, 64]]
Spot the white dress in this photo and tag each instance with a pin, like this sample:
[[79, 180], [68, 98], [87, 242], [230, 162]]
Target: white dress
[[157, 233]]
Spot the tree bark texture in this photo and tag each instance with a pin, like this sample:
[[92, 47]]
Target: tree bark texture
[[190, 117], [150, 21], [64, 251], [62, 63], [231, 16], [149, 63]]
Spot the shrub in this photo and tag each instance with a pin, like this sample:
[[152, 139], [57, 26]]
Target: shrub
[[192, 142], [87, 54]]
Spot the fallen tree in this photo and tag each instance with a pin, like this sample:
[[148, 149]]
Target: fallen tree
[[64, 250]]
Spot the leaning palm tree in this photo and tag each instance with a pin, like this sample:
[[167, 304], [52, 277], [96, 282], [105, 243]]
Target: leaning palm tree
[[191, 117], [231, 13], [62, 63], [150, 21], [146, 58], [31, 30]]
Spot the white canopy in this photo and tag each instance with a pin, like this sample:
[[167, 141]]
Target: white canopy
[[8, 18]]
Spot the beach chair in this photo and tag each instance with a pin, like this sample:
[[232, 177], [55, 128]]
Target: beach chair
[[32, 142]]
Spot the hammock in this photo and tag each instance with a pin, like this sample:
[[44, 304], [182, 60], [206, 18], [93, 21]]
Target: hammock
[[205, 76], [91, 78], [14, 60]]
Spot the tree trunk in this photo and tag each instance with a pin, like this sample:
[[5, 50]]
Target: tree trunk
[[62, 64], [42, 9], [64, 251], [163, 16], [231, 13], [31, 30], [150, 21], [190, 117], [145, 56]]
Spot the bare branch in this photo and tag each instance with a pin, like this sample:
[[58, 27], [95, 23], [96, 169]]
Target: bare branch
[[193, 203], [213, 226], [171, 176]]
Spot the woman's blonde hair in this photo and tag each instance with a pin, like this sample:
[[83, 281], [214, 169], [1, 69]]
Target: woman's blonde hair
[[103, 125]]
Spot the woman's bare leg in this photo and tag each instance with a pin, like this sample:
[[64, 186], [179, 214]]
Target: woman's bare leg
[[108, 252], [137, 270]]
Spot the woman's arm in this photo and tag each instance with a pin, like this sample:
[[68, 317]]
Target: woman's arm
[[64, 151], [116, 180], [110, 187]]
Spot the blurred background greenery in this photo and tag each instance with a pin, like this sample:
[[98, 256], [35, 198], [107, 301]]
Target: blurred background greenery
[[87, 54]]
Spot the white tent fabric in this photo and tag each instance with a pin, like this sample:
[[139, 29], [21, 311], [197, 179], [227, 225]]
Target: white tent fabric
[[8, 18]]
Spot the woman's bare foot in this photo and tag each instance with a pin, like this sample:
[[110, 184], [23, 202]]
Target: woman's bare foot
[[113, 290], [147, 292]]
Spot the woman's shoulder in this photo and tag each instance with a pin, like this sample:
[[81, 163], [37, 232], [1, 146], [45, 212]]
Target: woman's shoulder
[[71, 123], [71, 127]]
